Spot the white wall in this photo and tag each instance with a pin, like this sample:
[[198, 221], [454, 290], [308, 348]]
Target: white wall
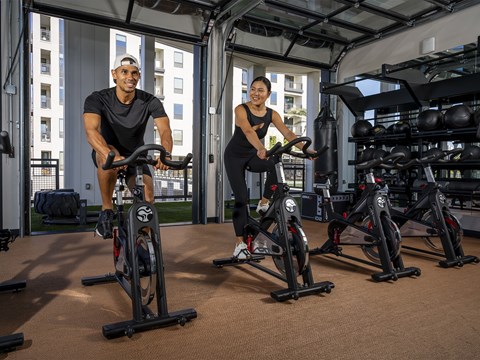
[[87, 69]]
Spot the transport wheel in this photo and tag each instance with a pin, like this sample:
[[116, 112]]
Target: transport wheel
[[454, 229], [392, 236], [299, 245], [147, 263]]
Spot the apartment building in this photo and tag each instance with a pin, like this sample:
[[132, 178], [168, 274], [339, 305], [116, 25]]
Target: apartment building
[[47, 90], [173, 85]]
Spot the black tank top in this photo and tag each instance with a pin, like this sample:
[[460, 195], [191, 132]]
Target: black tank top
[[239, 142]]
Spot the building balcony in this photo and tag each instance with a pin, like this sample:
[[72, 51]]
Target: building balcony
[[45, 103], [293, 87], [45, 69], [45, 35]]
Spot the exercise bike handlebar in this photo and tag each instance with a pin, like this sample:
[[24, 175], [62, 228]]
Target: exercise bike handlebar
[[369, 164], [440, 157], [6, 147], [140, 154], [278, 149], [387, 162]]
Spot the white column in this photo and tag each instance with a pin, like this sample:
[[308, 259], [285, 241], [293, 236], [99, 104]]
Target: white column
[[87, 68]]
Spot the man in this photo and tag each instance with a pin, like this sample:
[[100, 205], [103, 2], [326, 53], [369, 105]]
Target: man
[[115, 119]]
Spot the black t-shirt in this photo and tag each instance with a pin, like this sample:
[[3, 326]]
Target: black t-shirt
[[123, 126]]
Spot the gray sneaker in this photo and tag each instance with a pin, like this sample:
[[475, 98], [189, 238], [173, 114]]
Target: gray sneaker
[[104, 226]]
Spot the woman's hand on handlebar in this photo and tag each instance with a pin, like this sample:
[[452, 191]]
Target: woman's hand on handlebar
[[262, 153], [312, 154]]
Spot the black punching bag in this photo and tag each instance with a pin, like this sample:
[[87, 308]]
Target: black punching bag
[[325, 131]]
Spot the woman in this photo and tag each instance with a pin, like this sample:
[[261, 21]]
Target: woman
[[246, 151]]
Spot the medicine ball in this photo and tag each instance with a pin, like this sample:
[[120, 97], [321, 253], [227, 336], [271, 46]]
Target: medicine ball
[[470, 152], [401, 127], [458, 116], [380, 153], [390, 129], [476, 117], [430, 119], [377, 130], [361, 128], [366, 154], [402, 149]]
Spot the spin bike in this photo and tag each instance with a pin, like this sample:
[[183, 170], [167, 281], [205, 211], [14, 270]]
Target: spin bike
[[137, 251], [368, 225], [430, 217], [279, 234], [9, 342]]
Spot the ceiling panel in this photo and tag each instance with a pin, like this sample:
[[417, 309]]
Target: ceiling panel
[[314, 33]]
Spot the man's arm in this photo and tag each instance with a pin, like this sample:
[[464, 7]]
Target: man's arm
[[91, 123], [163, 128]]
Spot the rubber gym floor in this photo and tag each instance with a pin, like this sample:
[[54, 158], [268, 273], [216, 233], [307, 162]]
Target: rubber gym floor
[[434, 316]]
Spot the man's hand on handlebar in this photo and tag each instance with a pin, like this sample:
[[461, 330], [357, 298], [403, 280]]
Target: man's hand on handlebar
[[161, 166], [118, 158]]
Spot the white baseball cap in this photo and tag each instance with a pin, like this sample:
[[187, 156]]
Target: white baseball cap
[[125, 59]]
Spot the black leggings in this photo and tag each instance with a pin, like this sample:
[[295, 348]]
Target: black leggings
[[235, 168]]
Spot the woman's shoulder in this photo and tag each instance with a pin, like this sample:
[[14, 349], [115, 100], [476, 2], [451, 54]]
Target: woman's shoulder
[[242, 106]]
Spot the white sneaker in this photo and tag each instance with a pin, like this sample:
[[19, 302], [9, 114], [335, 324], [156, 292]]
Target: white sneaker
[[241, 251], [262, 208]]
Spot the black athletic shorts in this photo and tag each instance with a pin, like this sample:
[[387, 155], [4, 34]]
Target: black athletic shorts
[[130, 169]]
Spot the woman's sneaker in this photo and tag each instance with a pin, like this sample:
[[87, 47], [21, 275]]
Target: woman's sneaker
[[104, 226], [262, 208], [241, 252]]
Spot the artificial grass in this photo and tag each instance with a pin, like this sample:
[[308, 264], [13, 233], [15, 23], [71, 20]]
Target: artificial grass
[[169, 212]]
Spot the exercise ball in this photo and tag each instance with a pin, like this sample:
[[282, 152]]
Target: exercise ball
[[402, 149], [361, 128], [458, 116], [377, 130], [401, 127], [430, 119]]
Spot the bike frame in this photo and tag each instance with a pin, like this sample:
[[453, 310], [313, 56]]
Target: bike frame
[[141, 217], [431, 198], [282, 212], [374, 202]]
